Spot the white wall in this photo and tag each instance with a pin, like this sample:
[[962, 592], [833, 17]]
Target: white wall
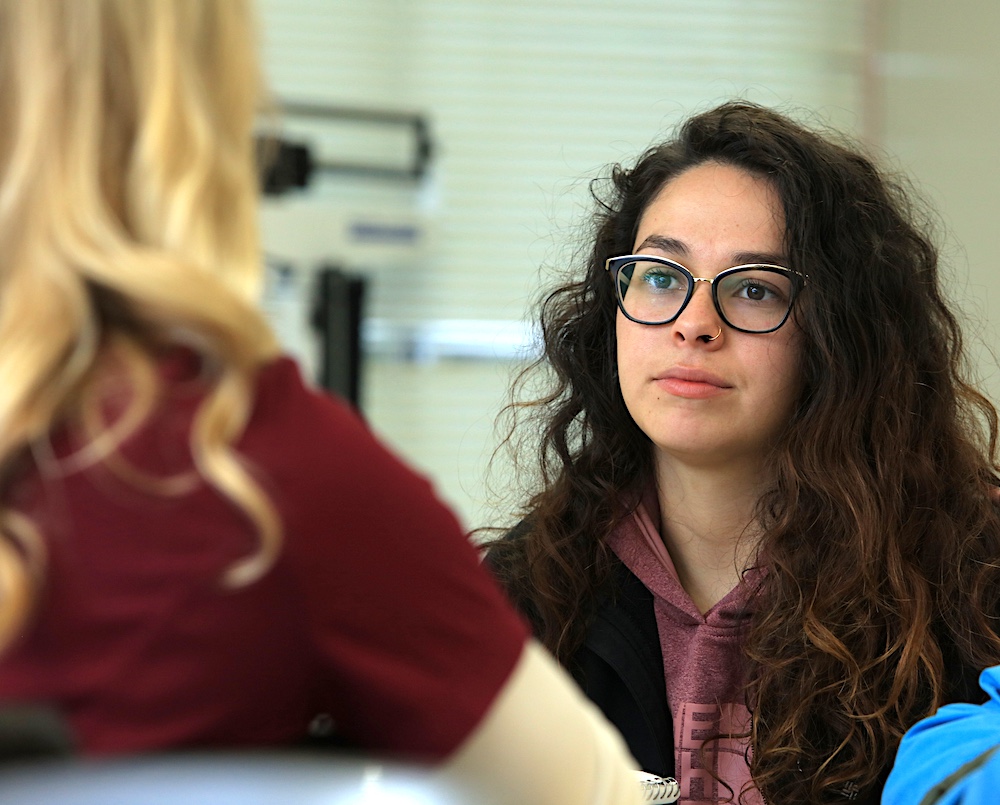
[[937, 110]]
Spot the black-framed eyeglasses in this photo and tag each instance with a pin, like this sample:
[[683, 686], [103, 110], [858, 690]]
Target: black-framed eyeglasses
[[754, 298]]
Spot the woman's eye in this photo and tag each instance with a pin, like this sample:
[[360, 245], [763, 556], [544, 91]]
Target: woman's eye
[[756, 291], [660, 280]]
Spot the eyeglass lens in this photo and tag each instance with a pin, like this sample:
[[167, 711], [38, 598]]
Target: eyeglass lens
[[755, 299]]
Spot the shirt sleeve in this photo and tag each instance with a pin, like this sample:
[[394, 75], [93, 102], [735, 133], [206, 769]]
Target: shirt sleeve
[[950, 752], [413, 637]]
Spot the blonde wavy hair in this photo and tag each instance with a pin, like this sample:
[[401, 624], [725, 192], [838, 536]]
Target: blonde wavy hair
[[128, 195]]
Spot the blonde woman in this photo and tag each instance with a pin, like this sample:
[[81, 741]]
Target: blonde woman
[[196, 549]]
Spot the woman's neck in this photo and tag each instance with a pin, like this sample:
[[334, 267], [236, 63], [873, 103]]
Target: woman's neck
[[707, 524]]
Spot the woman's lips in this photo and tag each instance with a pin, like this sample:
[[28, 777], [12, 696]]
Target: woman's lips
[[692, 384]]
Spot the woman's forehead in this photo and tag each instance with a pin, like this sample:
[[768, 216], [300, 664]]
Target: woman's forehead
[[714, 210]]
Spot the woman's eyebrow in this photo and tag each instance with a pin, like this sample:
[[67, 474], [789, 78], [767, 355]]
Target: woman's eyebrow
[[672, 245], [664, 244], [745, 258]]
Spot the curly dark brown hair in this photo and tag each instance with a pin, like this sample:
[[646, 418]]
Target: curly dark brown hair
[[880, 540]]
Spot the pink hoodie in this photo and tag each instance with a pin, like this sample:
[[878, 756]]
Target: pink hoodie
[[702, 666]]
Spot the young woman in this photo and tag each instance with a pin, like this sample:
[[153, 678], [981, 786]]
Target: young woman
[[762, 540], [196, 549]]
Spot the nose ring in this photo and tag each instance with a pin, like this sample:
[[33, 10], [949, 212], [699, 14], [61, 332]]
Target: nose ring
[[716, 335]]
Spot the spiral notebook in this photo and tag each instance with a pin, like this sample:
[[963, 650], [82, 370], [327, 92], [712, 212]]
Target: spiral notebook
[[658, 790]]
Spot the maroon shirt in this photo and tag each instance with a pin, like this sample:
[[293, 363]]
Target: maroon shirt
[[376, 613]]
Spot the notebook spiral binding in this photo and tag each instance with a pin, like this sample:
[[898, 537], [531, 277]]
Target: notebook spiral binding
[[658, 790]]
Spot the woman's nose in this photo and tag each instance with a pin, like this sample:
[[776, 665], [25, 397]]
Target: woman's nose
[[699, 320]]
